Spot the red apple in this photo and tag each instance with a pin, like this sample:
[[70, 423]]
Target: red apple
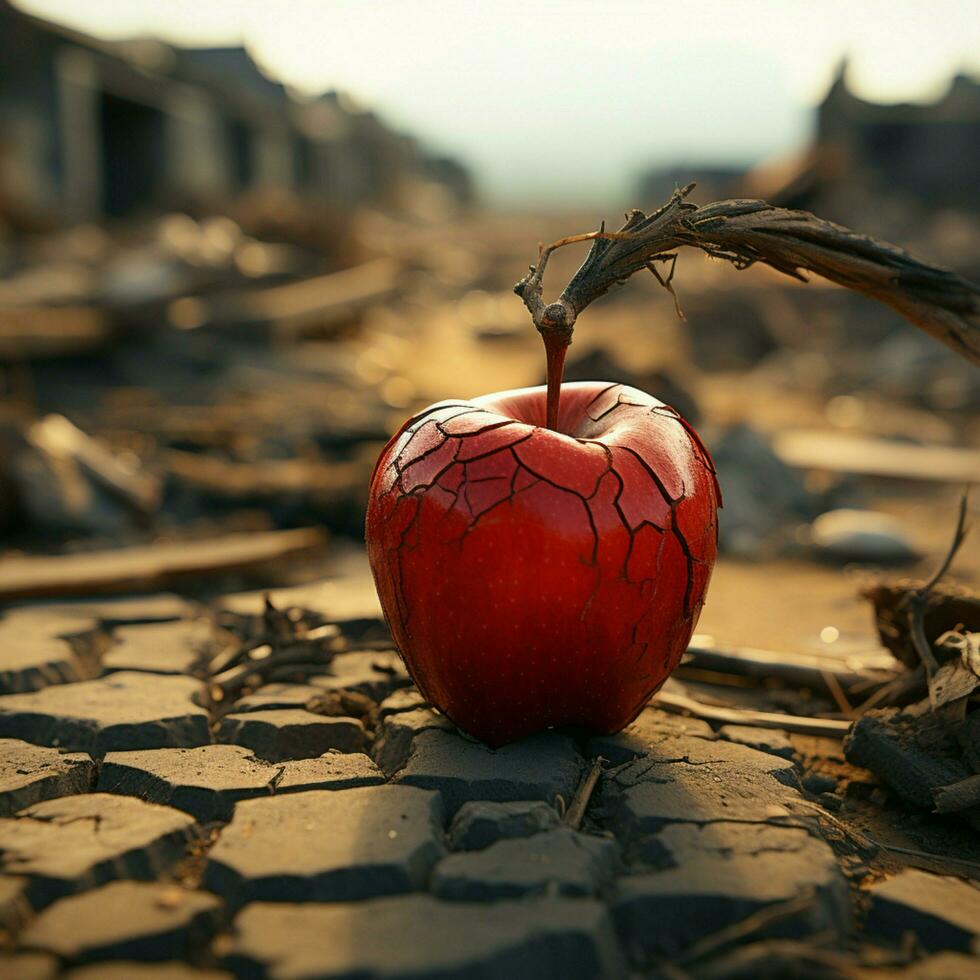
[[534, 578]]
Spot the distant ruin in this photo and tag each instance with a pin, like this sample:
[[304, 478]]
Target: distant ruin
[[929, 152], [91, 129], [862, 155]]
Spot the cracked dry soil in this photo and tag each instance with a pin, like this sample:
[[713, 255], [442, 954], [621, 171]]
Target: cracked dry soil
[[423, 853]]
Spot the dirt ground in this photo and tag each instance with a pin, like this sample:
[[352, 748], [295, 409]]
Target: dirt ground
[[273, 797]]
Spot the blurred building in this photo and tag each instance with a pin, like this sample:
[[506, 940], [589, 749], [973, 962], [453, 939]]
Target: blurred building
[[91, 129], [927, 154]]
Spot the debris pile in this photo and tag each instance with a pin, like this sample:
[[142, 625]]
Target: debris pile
[[213, 398], [923, 737]]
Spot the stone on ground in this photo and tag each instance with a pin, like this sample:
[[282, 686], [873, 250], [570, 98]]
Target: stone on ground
[[292, 733], [159, 648], [111, 611], [481, 823], [717, 874], [332, 770], [29, 665], [697, 780], [404, 699], [376, 673], [350, 603], [270, 697], [417, 936], [541, 767], [763, 739], [40, 647], [652, 727], [33, 773], [127, 710], [209, 780], [79, 842], [393, 742], [340, 845], [943, 913], [862, 536], [555, 862], [124, 920], [29, 966]]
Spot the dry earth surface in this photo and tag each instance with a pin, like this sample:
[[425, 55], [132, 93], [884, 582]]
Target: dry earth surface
[[340, 827]]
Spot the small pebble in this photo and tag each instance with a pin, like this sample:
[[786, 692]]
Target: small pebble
[[862, 536]]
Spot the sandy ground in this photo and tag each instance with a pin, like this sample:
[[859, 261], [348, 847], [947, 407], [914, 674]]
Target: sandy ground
[[786, 605]]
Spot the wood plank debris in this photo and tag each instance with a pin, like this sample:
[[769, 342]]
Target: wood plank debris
[[816, 450], [316, 304], [958, 796], [58, 438], [149, 567], [671, 700], [37, 332], [227, 479], [798, 669]]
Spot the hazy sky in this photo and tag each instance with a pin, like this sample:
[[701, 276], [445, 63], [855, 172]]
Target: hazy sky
[[567, 100]]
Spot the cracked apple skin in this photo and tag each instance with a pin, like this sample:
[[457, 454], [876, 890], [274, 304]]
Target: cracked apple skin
[[535, 578]]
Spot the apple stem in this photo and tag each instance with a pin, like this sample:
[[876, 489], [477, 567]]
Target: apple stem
[[555, 346]]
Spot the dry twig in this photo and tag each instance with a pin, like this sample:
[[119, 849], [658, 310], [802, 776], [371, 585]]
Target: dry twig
[[906, 686], [837, 692], [283, 641], [790, 668], [681, 704], [583, 794], [757, 923], [918, 600], [956, 866], [937, 300], [958, 796]]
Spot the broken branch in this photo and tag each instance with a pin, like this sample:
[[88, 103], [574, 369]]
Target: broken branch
[[935, 299], [801, 670], [958, 796], [681, 704], [583, 794], [918, 600]]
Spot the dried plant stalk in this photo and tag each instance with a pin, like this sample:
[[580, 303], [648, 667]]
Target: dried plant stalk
[[937, 300]]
